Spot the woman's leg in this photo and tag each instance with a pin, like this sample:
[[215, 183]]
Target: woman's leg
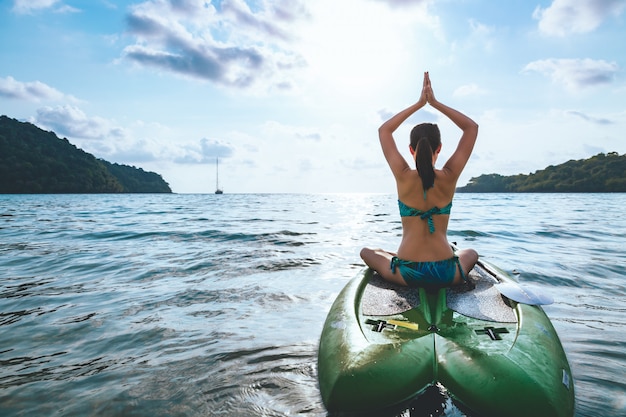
[[467, 259], [380, 261]]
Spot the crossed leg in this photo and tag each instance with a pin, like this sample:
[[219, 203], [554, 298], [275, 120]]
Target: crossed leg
[[380, 261]]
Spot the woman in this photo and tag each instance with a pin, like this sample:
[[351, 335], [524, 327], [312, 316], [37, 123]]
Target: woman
[[425, 198]]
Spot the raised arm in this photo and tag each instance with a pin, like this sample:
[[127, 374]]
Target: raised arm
[[459, 158], [395, 160]]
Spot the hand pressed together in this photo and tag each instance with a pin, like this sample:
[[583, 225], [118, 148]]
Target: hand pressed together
[[427, 96]]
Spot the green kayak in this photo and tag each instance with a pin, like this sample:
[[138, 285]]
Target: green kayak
[[383, 345]]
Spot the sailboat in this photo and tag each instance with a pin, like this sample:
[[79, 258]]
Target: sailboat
[[218, 190]]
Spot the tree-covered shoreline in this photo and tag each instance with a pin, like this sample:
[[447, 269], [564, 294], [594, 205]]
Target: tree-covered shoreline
[[34, 161], [602, 173]]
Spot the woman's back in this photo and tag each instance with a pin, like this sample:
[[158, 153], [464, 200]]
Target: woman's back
[[424, 228]]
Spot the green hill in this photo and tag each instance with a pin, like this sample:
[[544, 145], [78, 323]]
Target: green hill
[[602, 173], [35, 161]]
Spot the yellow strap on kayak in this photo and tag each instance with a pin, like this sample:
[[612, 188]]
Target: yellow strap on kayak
[[405, 324]]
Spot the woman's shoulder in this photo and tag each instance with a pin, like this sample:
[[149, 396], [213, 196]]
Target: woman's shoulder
[[445, 181], [425, 201], [410, 189]]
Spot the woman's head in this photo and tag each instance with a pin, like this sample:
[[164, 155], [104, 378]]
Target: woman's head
[[425, 142]]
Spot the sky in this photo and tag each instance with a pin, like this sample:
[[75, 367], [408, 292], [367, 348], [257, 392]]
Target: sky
[[289, 94]]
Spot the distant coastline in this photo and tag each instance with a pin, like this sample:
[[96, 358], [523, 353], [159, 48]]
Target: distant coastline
[[34, 161], [602, 173]]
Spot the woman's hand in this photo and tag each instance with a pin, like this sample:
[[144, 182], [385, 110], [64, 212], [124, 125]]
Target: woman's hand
[[427, 90], [425, 86]]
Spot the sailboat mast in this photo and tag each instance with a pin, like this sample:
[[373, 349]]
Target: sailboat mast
[[217, 179]]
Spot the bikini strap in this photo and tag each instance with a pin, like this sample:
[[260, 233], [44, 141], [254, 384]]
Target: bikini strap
[[394, 263], [458, 262], [428, 216]]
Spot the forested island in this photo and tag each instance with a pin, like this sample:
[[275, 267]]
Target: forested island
[[34, 161], [602, 173]]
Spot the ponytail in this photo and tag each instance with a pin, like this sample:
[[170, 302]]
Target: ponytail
[[424, 163], [425, 139]]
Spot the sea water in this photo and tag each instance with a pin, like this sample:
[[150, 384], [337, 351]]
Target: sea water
[[212, 305]]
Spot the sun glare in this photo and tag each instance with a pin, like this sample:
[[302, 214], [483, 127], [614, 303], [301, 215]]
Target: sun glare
[[355, 45]]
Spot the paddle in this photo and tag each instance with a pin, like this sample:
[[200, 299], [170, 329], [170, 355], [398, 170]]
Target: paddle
[[514, 291]]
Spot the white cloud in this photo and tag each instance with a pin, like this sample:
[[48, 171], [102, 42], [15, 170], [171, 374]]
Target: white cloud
[[275, 130], [468, 90], [480, 28], [276, 45], [107, 139], [31, 6], [67, 9], [563, 17], [229, 44], [205, 152], [404, 3], [482, 35], [31, 91], [589, 118], [71, 121], [575, 74]]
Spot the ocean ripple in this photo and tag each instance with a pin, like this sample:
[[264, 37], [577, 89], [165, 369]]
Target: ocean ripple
[[195, 305]]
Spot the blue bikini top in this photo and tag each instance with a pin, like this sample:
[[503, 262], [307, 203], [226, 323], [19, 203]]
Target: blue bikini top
[[406, 211]]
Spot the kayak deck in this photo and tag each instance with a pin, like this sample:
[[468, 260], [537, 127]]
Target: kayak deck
[[382, 345], [478, 298]]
